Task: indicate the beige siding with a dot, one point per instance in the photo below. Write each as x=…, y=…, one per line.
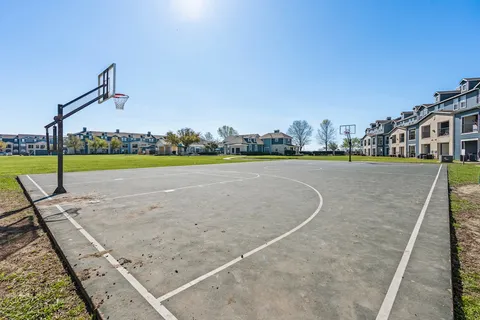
x=432, y=143
x=397, y=147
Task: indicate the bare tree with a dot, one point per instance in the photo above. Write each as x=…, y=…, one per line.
x=226, y=131
x=208, y=137
x=301, y=132
x=326, y=133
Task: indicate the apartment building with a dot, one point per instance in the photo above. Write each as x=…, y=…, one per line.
x=273, y=142
x=376, y=141
x=445, y=127
x=132, y=143
x=25, y=144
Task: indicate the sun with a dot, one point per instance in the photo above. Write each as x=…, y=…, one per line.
x=188, y=9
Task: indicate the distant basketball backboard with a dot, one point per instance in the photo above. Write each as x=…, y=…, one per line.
x=348, y=129
x=107, y=79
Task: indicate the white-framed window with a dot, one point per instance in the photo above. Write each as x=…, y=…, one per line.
x=464, y=87
x=276, y=139
x=455, y=104
x=411, y=134
x=437, y=98
x=463, y=102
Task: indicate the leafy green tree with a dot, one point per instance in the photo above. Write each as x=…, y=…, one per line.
x=115, y=144
x=211, y=146
x=187, y=137
x=301, y=133
x=356, y=144
x=226, y=131
x=333, y=146
x=326, y=133
x=3, y=145
x=172, y=139
x=74, y=142
x=96, y=144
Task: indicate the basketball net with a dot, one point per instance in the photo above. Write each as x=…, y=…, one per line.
x=120, y=100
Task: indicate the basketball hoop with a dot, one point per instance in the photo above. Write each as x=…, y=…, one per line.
x=120, y=100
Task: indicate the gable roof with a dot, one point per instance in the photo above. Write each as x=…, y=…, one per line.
x=440, y=112
x=275, y=135
x=446, y=92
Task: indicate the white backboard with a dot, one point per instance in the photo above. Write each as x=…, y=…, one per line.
x=462, y=152
x=106, y=78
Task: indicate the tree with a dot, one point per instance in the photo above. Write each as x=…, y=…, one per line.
x=115, y=144
x=208, y=137
x=326, y=133
x=211, y=146
x=226, y=131
x=301, y=132
x=187, y=136
x=172, y=139
x=356, y=144
x=333, y=146
x=3, y=145
x=74, y=142
x=96, y=144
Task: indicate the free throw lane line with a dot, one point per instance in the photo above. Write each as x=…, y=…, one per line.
x=387, y=304
x=164, y=312
x=245, y=255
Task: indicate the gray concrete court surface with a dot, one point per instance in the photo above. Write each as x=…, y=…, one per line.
x=287, y=239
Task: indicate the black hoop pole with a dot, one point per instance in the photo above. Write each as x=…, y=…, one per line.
x=60, y=189
x=48, y=141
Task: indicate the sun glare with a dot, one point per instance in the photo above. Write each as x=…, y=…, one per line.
x=188, y=9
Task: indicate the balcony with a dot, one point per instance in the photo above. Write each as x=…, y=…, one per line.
x=443, y=132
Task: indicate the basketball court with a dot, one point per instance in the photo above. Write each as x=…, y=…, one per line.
x=260, y=240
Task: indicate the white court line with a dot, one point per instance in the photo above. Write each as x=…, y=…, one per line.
x=164, y=312
x=228, y=264
x=181, y=188
x=387, y=304
x=120, y=179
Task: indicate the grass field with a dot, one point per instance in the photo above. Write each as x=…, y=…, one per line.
x=23, y=271
x=465, y=210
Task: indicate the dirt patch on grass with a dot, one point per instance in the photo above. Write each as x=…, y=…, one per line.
x=465, y=207
x=33, y=281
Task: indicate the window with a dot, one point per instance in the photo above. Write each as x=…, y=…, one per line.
x=42, y=146
x=373, y=141
x=30, y=146
x=380, y=141
x=276, y=139
x=402, y=137
x=411, y=134
x=437, y=98
x=455, y=104
x=470, y=124
x=368, y=142
x=426, y=132
x=386, y=140
x=464, y=87
x=463, y=102
x=394, y=139
x=37, y=146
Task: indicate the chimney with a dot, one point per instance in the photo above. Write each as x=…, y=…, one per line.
x=84, y=129
x=117, y=131
x=149, y=133
x=276, y=131
x=389, y=118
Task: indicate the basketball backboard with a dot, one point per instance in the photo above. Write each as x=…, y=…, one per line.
x=346, y=129
x=107, y=79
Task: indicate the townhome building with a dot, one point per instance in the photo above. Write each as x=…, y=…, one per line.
x=274, y=142
x=377, y=139
x=449, y=126
x=25, y=144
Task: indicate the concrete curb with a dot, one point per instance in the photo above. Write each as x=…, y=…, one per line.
x=97, y=315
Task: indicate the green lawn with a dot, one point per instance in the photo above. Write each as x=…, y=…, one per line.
x=10, y=167
x=345, y=158
x=465, y=211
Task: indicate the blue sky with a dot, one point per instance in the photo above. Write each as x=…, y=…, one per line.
x=254, y=65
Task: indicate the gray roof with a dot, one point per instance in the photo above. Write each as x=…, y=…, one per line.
x=120, y=134
x=447, y=91
x=275, y=135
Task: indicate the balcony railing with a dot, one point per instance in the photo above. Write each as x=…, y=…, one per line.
x=443, y=132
